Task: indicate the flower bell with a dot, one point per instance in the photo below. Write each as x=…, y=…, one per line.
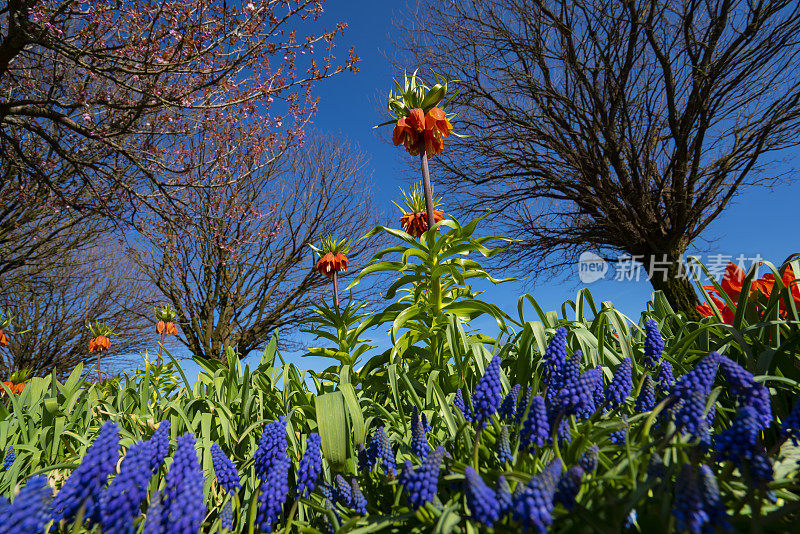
x=414, y=220
x=3, y=339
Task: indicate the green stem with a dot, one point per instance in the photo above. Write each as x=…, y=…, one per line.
x=290, y=517
x=475, y=448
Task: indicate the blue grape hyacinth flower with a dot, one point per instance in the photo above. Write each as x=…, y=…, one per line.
x=30, y=511
x=569, y=485
x=225, y=470
x=270, y=445
x=506, y=410
x=184, y=506
x=487, y=396
x=160, y=447
x=86, y=483
x=421, y=484
x=275, y=463
x=120, y=504
x=653, y=343
x=535, y=431
x=555, y=357
x=646, y=400
x=310, y=466
x=9, y=458
x=620, y=387
x=481, y=499
x=419, y=440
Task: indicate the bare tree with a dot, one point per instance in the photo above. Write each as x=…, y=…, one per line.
x=240, y=266
x=620, y=126
x=35, y=229
x=51, y=310
x=111, y=92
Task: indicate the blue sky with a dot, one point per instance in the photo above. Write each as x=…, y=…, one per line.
x=760, y=222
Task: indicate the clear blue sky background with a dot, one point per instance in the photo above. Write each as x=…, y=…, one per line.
x=760, y=222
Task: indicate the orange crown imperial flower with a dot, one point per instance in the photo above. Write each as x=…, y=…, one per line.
x=414, y=220
x=419, y=119
x=100, y=341
x=165, y=317
x=3, y=339
x=333, y=258
x=99, y=344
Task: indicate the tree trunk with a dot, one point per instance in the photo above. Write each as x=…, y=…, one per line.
x=668, y=273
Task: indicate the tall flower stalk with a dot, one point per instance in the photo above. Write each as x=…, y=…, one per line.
x=420, y=124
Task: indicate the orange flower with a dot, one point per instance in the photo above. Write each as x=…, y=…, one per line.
x=19, y=388
x=788, y=279
x=3, y=339
x=99, y=344
x=10, y=386
x=171, y=329
x=330, y=263
x=416, y=224
x=436, y=127
x=160, y=327
x=404, y=133
x=706, y=311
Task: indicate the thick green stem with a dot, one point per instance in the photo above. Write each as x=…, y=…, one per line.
x=475, y=448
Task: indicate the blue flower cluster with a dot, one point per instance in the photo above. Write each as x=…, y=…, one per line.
x=555, y=356
x=481, y=499
x=504, y=447
x=342, y=491
x=184, y=508
x=791, y=425
x=665, y=377
x=225, y=470
x=653, y=343
x=690, y=416
x=620, y=387
x=155, y=515
x=535, y=430
x=160, y=441
x=270, y=445
x=9, y=458
x=699, y=380
x=275, y=481
x=740, y=444
x=524, y=402
x=646, y=400
x=568, y=486
x=503, y=494
x=421, y=484
x=698, y=506
x=310, y=466
x=590, y=459
x=358, y=502
x=120, y=504
x=579, y=397
x=419, y=441
x=507, y=408
x=381, y=450
x=86, y=483
x=458, y=402
x=533, y=504
x=488, y=393
x=749, y=392
x=30, y=511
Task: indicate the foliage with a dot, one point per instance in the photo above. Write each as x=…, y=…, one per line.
x=398, y=453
